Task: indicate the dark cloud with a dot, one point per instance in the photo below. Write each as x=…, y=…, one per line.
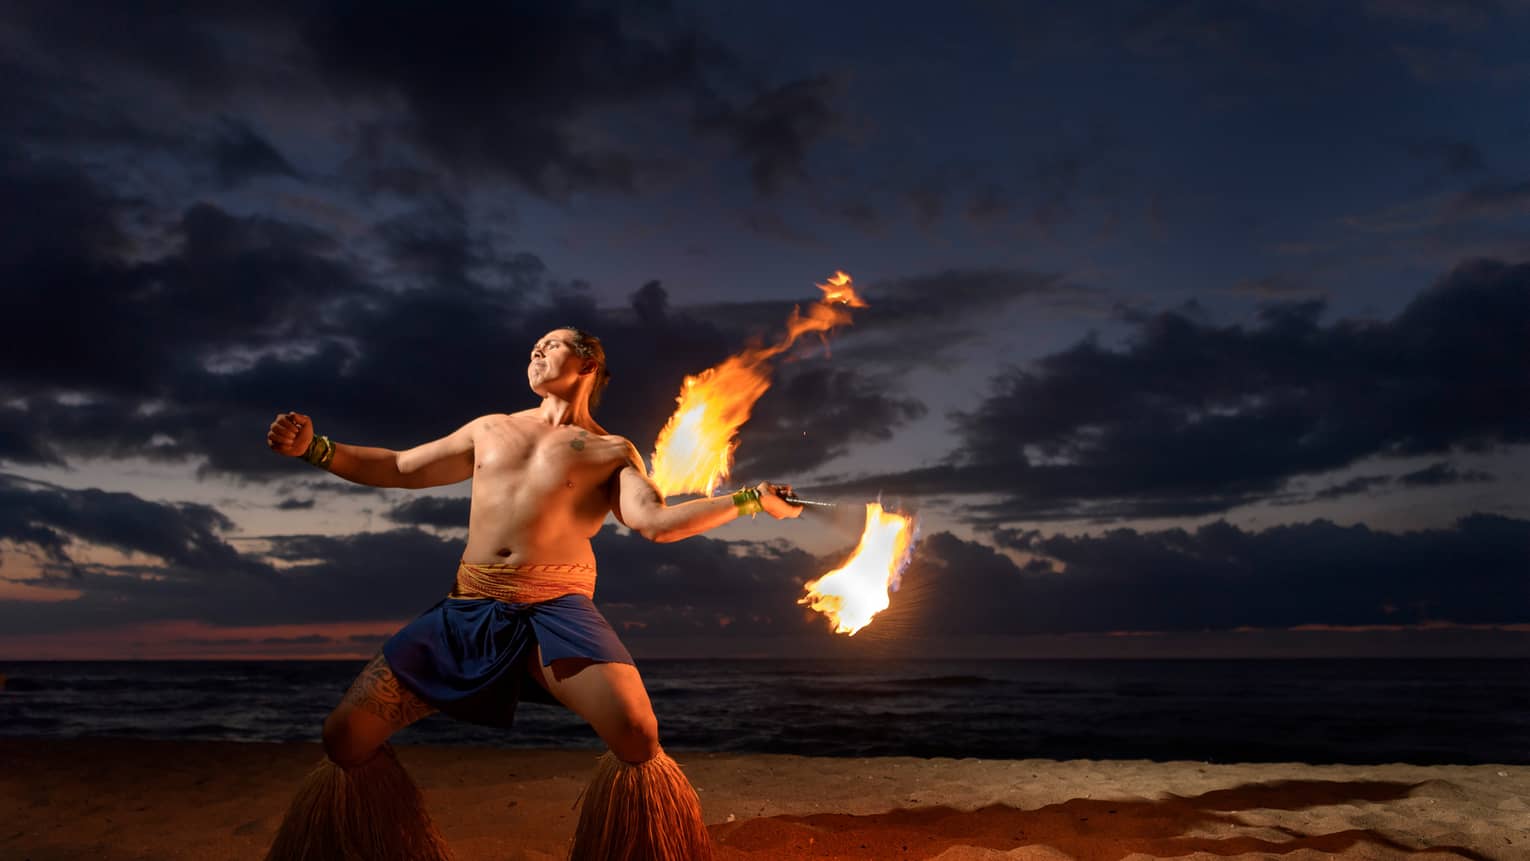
x=160, y=40
x=175, y=331
x=326, y=484
x=1358, y=484
x=85, y=317
x=775, y=130
x=436, y=245
x=531, y=93
x=1218, y=577
x=813, y=415
x=182, y=355
x=517, y=90
x=1191, y=418
x=1443, y=473
x=239, y=154
x=194, y=575
x=501, y=89
x=292, y=504
x=20, y=441
x=254, y=315
x=1318, y=573
x=50, y=519
x=1436, y=475
x=439, y=511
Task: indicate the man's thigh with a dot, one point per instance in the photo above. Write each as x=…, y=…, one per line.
x=377, y=699
x=609, y=696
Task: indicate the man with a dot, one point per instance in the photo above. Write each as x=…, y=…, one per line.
x=519, y=623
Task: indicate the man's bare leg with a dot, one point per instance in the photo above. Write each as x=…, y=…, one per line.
x=610, y=697
x=639, y=804
x=375, y=707
x=359, y=802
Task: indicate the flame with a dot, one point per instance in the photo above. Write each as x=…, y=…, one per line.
x=858, y=590
x=694, y=451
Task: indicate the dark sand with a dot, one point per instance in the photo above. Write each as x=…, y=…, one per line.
x=110, y=799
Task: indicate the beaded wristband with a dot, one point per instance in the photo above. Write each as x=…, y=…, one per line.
x=747, y=501
x=320, y=452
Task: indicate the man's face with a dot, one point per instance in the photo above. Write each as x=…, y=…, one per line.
x=552, y=360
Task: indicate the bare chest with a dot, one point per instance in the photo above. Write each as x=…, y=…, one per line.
x=524, y=451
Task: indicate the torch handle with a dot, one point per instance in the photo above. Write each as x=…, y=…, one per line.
x=797, y=500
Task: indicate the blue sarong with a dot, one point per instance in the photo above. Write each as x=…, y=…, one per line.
x=467, y=656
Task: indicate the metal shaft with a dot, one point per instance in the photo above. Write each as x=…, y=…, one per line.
x=797, y=500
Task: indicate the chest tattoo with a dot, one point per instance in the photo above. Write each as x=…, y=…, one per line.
x=578, y=442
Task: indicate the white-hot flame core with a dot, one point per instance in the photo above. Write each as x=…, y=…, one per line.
x=858, y=590
x=694, y=451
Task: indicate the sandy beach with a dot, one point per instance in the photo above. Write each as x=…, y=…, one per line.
x=111, y=799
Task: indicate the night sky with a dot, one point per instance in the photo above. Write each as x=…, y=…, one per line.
x=1195, y=328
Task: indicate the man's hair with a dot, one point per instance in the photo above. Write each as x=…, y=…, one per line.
x=587, y=346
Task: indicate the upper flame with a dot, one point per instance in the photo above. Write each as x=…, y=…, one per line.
x=858, y=590
x=694, y=451
x=841, y=289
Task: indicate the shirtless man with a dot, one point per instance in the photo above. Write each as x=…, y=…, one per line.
x=543, y=482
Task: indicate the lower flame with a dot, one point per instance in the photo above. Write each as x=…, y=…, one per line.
x=858, y=590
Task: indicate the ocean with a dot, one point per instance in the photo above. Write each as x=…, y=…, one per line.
x=1316, y=711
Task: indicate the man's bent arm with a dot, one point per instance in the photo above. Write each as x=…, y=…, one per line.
x=640, y=507
x=444, y=461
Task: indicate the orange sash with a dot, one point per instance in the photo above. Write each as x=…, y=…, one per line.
x=524, y=583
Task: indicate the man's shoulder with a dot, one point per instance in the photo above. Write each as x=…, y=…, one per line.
x=596, y=427
x=634, y=457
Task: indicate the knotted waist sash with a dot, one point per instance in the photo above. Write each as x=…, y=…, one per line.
x=524, y=583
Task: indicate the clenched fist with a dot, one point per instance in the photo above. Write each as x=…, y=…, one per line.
x=290, y=434
x=773, y=499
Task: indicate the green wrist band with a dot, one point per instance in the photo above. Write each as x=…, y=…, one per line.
x=747, y=501
x=320, y=452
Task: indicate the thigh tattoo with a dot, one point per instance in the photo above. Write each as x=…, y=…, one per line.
x=378, y=691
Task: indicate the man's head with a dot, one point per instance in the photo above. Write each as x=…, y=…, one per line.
x=571, y=358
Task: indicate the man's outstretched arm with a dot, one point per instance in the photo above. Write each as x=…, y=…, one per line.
x=444, y=461
x=639, y=506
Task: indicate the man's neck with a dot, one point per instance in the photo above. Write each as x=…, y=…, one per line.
x=556, y=411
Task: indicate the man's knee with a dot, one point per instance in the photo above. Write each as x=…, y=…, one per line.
x=637, y=738
x=346, y=741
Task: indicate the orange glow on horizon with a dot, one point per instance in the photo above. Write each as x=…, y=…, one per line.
x=193, y=640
